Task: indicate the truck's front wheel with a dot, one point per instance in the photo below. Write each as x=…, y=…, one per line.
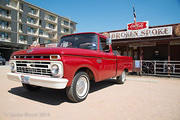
x=79, y=89
x=122, y=78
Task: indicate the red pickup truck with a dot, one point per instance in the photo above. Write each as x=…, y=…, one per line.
x=78, y=59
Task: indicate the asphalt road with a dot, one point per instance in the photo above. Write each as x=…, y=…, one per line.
x=140, y=98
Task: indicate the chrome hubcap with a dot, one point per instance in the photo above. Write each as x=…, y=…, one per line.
x=123, y=76
x=82, y=86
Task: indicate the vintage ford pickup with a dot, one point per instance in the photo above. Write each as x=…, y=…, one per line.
x=78, y=59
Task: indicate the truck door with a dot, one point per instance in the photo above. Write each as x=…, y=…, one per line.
x=107, y=66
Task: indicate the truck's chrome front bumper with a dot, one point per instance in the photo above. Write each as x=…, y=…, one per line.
x=49, y=82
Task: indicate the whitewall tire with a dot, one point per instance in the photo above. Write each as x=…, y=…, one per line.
x=79, y=89
x=122, y=78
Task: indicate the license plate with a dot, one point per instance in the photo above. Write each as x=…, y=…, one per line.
x=25, y=79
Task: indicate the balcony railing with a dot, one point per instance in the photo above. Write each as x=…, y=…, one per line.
x=23, y=41
x=5, y=28
x=5, y=16
x=11, y=6
x=51, y=29
x=46, y=36
x=31, y=23
x=32, y=33
x=5, y=39
x=50, y=20
x=52, y=37
x=32, y=14
x=20, y=20
x=65, y=25
x=20, y=10
x=20, y=31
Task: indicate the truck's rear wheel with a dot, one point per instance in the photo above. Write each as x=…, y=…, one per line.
x=31, y=87
x=79, y=89
x=122, y=78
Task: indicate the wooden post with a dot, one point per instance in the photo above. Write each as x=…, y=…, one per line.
x=169, y=52
x=141, y=53
x=169, y=59
x=127, y=50
x=141, y=58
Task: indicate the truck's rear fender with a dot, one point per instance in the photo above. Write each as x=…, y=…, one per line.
x=128, y=66
x=124, y=63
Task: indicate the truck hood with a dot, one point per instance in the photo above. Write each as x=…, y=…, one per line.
x=61, y=51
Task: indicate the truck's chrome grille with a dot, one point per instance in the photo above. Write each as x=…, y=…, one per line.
x=33, y=67
x=31, y=56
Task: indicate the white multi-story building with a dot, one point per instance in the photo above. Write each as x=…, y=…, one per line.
x=22, y=23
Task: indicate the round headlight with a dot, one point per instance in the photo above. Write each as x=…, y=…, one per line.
x=12, y=67
x=55, y=70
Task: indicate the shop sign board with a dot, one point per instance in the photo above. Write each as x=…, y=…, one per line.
x=151, y=32
x=138, y=25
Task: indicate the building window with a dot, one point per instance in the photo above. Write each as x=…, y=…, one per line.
x=33, y=11
x=31, y=30
x=71, y=24
x=66, y=30
x=31, y=20
x=20, y=27
x=4, y=12
x=52, y=18
x=40, y=22
x=22, y=37
x=47, y=41
x=51, y=26
x=51, y=36
x=21, y=6
x=8, y=2
x=41, y=32
x=4, y=35
x=12, y=3
x=20, y=16
x=66, y=23
x=71, y=31
x=34, y=38
x=4, y=24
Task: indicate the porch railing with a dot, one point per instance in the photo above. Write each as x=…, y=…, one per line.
x=160, y=68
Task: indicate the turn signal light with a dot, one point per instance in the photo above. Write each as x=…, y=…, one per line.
x=55, y=57
x=13, y=57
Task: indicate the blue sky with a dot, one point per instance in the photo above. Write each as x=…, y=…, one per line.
x=107, y=15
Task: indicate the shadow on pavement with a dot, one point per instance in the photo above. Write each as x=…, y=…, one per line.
x=101, y=85
x=44, y=95
x=53, y=96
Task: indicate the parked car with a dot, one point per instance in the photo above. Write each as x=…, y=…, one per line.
x=2, y=60
x=78, y=59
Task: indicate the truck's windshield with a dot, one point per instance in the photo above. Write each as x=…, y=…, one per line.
x=84, y=41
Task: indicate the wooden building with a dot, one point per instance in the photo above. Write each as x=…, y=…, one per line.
x=155, y=43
